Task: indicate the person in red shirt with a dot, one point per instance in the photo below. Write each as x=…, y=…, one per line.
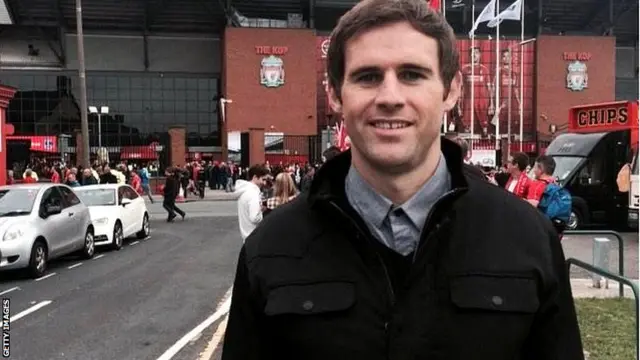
x=543, y=171
x=28, y=177
x=518, y=183
x=136, y=182
x=509, y=93
x=54, y=176
x=482, y=94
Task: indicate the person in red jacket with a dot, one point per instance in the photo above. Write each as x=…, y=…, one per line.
x=28, y=177
x=136, y=182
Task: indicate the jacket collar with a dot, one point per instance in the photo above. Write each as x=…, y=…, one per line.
x=329, y=180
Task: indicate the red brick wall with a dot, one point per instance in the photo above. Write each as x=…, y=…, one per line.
x=290, y=108
x=177, y=136
x=553, y=97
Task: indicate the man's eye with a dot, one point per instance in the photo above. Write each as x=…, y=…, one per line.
x=369, y=78
x=411, y=75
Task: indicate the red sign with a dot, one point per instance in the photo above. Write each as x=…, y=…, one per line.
x=573, y=56
x=613, y=116
x=48, y=144
x=271, y=50
x=138, y=152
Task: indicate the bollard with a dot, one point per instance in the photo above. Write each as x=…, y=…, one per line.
x=601, y=249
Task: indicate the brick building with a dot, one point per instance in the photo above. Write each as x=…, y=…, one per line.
x=244, y=79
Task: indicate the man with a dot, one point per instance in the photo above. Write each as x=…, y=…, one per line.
x=397, y=252
x=543, y=172
x=250, y=201
x=483, y=105
x=171, y=190
x=518, y=183
x=509, y=106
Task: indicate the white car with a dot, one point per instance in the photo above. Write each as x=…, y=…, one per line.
x=40, y=222
x=117, y=212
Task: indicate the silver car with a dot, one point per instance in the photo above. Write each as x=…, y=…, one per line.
x=40, y=222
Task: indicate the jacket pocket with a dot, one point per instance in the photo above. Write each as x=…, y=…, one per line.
x=495, y=293
x=310, y=299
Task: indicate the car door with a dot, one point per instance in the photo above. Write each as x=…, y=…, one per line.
x=77, y=213
x=126, y=211
x=137, y=209
x=54, y=227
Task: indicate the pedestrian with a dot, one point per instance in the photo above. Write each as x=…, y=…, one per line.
x=398, y=252
x=171, y=187
x=250, y=205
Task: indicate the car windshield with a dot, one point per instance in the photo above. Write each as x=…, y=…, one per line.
x=15, y=202
x=564, y=166
x=97, y=197
x=634, y=169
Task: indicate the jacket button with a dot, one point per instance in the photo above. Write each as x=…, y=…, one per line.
x=496, y=300
x=307, y=305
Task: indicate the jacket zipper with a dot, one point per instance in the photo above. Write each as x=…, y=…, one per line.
x=390, y=292
x=428, y=220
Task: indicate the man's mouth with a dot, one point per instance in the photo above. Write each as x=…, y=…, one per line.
x=384, y=124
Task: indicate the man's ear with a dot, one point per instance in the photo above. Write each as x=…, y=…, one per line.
x=334, y=100
x=455, y=91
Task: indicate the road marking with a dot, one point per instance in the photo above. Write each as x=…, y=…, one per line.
x=44, y=277
x=9, y=290
x=221, y=310
x=35, y=307
x=98, y=257
x=133, y=243
x=215, y=339
x=74, y=266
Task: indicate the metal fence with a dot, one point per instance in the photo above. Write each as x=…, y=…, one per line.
x=293, y=148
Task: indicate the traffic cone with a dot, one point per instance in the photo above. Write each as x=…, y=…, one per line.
x=180, y=197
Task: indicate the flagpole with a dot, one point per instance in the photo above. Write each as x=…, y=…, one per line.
x=472, y=80
x=521, y=73
x=497, y=84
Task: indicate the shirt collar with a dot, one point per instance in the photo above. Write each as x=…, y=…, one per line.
x=374, y=207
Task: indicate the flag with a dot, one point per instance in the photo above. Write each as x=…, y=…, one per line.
x=434, y=4
x=513, y=12
x=342, y=141
x=487, y=14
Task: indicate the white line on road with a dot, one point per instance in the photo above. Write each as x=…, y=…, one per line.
x=133, y=243
x=98, y=257
x=74, y=266
x=35, y=307
x=221, y=310
x=9, y=290
x=215, y=339
x=46, y=276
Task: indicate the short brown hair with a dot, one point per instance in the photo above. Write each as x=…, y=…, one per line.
x=370, y=14
x=521, y=160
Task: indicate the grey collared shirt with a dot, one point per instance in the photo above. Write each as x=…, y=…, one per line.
x=397, y=226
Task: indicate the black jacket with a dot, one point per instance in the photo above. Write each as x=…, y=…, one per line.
x=488, y=281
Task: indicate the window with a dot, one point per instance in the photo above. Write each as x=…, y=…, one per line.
x=69, y=197
x=129, y=193
x=51, y=197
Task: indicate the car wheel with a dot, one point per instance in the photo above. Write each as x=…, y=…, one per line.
x=38, y=260
x=575, y=220
x=89, y=248
x=118, y=236
x=146, y=227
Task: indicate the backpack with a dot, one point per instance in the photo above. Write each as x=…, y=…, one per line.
x=556, y=202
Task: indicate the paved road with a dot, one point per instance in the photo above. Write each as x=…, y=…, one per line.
x=129, y=304
x=581, y=247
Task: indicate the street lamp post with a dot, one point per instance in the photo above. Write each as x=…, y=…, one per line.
x=104, y=110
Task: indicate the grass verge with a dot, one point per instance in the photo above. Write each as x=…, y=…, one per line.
x=608, y=328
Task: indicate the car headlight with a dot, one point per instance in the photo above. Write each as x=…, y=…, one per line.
x=15, y=232
x=101, y=221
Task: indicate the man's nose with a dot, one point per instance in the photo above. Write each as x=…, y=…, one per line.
x=390, y=95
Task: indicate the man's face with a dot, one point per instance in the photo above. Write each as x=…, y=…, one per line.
x=537, y=170
x=475, y=55
x=510, y=165
x=260, y=181
x=506, y=58
x=393, y=98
